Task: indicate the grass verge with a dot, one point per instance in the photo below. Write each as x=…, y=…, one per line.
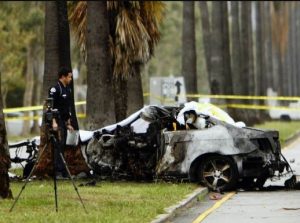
x=286, y=129
x=105, y=202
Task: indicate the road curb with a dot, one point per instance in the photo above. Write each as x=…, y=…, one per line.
x=291, y=139
x=186, y=202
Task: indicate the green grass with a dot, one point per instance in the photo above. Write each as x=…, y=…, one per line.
x=286, y=129
x=105, y=202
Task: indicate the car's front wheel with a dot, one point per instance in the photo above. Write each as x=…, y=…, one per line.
x=218, y=173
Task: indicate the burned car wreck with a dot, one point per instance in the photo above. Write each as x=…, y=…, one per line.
x=165, y=142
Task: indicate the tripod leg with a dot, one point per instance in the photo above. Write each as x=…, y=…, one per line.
x=54, y=176
x=27, y=179
x=69, y=173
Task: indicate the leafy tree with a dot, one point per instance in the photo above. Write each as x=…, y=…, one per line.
x=31, y=26
x=13, y=52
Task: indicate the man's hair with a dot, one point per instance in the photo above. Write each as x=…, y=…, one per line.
x=64, y=71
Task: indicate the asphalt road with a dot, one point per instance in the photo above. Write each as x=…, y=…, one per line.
x=275, y=204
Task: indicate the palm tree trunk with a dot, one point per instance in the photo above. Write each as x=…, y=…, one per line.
x=100, y=107
x=297, y=7
x=51, y=48
x=5, y=191
x=135, y=99
x=64, y=52
x=294, y=49
x=268, y=46
x=238, y=89
x=236, y=57
x=206, y=33
x=260, y=71
x=226, y=50
x=247, y=55
x=120, y=96
x=57, y=53
x=27, y=100
x=37, y=71
x=189, y=58
x=288, y=58
x=215, y=76
x=220, y=74
x=261, y=44
x=51, y=68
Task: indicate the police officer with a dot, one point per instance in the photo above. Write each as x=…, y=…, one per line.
x=61, y=95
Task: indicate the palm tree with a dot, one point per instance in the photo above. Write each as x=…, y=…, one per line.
x=133, y=33
x=220, y=72
x=239, y=80
x=280, y=27
x=57, y=46
x=57, y=53
x=206, y=32
x=5, y=191
x=64, y=48
x=51, y=47
x=100, y=108
x=189, y=57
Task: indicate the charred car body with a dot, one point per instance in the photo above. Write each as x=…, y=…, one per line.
x=164, y=142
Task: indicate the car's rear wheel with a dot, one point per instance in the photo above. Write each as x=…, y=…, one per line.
x=218, y=173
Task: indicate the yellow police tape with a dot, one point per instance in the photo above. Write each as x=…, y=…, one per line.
x=169, y=100
x=32, y=108
x=235, y=97
x=245, y=97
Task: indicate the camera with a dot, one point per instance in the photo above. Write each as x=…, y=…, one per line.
x=50, y=113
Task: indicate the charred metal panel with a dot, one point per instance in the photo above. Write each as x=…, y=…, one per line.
x=216, y=139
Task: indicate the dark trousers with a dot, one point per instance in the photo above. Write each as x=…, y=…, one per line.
x=60, y=148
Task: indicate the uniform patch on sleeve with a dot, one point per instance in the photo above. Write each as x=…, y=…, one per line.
x=53, y=90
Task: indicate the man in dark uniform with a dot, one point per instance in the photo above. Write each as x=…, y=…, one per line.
x=61, y=95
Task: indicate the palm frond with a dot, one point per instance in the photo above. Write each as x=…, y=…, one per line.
x=78, y=22
x=135, y=32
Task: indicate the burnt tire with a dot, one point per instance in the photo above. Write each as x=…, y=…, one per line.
x=218, y=173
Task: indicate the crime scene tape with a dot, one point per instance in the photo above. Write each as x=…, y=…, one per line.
x=32, y=108
x=170, y=100
x=245, y=97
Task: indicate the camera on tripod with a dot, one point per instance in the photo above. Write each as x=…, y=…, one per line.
x=50, y=113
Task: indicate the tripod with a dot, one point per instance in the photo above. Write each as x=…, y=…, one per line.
x=55, y=150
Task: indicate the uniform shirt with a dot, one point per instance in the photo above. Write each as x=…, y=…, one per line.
x=61, y=100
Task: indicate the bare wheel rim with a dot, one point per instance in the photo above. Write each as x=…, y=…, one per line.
x=217, y=173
